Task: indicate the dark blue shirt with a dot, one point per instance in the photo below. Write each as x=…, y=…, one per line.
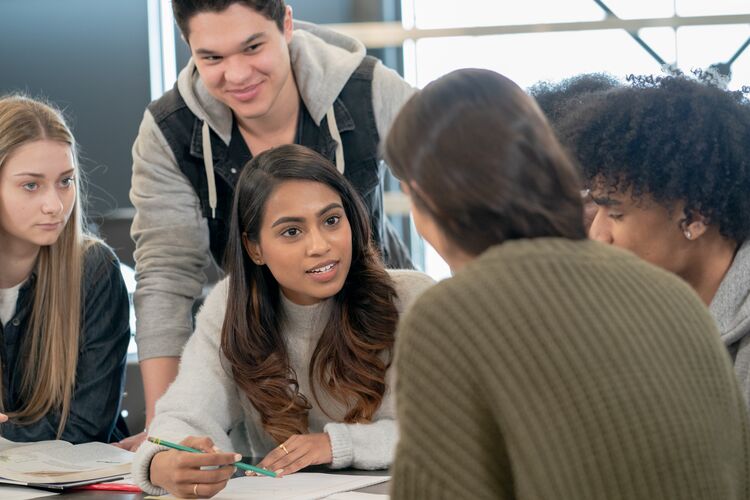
x=103, y=345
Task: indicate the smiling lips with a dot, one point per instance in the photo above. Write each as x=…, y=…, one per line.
x=50, y=226
x=323, y=268
x=324, y=271
x=246, y=93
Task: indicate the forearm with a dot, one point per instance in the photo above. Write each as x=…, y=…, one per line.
x=158, y=374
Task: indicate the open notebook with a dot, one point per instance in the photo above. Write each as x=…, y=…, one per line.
x=59, y=464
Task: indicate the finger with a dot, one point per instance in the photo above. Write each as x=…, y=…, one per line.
x=296, y=465
x=192, y=476
x=3, y=417
x=197, y=460
x=206, y=490
x=275, y=455
x=286, y=460
x=203, y=443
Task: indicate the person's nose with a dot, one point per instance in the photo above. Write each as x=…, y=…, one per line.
x=52, y=204
x=238, y=70
x=600, y=227
x=318, y=243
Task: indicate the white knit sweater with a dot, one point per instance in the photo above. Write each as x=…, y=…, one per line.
x=204, y=400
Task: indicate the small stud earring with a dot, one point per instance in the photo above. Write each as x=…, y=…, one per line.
x=688, y=234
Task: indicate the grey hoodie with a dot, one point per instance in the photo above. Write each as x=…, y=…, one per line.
x=730, y=308
x=171, y=235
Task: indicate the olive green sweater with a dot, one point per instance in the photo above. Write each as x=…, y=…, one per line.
x=553, y=369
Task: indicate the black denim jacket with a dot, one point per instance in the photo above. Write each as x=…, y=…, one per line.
x=103, y=345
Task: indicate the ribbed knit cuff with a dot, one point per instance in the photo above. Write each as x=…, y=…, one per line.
x=141, y=468
x=341, y=445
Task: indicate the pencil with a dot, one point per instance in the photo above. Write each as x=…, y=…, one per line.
x=239, y=465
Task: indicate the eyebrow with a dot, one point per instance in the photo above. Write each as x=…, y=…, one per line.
x=605, y=202
x=283, y=220
x=248, y=41
x=40, y=176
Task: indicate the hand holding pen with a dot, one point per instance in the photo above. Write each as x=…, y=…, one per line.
x=195, y=467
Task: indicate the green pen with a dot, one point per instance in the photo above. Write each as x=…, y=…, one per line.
x=239, y=465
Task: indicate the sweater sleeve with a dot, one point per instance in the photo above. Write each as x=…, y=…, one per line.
x=171, y=246
x=203, y=400
x=389, y=93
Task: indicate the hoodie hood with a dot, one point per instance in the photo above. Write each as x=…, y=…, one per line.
x=322, y=61
x=730, y=306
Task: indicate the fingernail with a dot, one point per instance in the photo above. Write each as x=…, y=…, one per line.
x=250, y=473
x=237, y=457
x=277, y=472
x=216, y=450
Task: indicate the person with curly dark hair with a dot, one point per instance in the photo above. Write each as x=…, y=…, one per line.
x=668, y=164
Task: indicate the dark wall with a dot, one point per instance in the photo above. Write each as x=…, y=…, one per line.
x=89, y=57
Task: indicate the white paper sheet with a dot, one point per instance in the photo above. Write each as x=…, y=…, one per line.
x=299, y=486
x=354, y=495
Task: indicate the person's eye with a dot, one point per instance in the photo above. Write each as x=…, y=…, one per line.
x=291, y=232
x=67, y=182
x=31, y=186
x=333, y=220
x=253, y=48
x=211, y=59
x=615, y=216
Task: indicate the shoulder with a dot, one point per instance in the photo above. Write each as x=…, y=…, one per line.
x=170, y=102
x=409, y=285
x=99, y=261
x=215, y=305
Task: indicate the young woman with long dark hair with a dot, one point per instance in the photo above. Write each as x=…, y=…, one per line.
x=292, y=351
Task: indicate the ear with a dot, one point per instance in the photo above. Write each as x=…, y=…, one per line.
x=253, y=250
x=288, y=24
x=694, y=226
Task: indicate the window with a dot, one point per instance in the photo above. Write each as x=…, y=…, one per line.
x=529, y=57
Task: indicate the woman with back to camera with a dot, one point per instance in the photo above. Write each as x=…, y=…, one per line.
x=63, y=303
x=550, y=365
x=291, y=357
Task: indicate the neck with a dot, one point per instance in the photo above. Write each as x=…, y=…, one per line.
x=709, y=265
x=274, y=126
x=18, y=262
x=457, y=259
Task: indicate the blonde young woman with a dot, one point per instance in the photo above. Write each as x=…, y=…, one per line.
x=63, y=304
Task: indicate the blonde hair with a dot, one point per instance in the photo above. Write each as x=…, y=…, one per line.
x=52, y=340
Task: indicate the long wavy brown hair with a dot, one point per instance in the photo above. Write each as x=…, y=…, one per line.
x=355, y=348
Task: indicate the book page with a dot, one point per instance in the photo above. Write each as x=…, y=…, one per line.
x=298, y=486
x=63, y=463
x=7, y=444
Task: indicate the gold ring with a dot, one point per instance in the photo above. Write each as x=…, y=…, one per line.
x=195, y=489
x=284, y=448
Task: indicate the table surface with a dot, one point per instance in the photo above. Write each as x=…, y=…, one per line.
x=382, y=488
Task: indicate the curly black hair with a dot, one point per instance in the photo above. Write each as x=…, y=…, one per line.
x=555, y=99
x=672, y=138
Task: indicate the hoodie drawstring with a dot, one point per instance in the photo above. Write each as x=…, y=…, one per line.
x=334, y=129
x=208, y=161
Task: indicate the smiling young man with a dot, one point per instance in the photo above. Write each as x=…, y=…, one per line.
x=256, y=80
